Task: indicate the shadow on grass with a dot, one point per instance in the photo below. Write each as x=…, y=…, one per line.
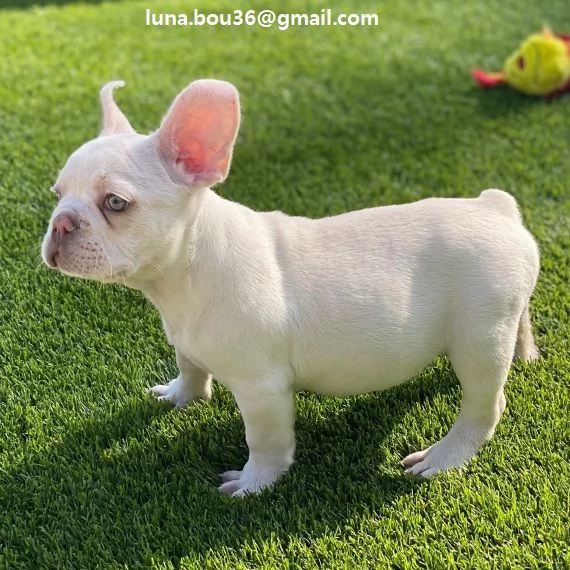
x=503, y=101
x=111, y=494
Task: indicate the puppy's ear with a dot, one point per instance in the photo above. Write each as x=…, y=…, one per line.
x=196, y=138
x=114, y=122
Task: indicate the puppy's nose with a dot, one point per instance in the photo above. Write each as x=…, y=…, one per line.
x=65, y=223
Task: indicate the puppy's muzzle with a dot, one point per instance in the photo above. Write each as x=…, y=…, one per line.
x=64, y=223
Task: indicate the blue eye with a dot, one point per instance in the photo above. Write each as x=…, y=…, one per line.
x=115, y=203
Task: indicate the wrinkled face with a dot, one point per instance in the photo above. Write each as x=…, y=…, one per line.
x=126, y=200
x=112, y=220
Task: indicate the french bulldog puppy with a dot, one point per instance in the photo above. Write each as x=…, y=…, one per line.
x=270, y=304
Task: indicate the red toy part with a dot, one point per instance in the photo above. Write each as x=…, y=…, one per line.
x=487, y=80
x=565, y=38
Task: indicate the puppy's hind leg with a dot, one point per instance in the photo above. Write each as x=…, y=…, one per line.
x=481, y=364
x=192, y=383
x=525, y=348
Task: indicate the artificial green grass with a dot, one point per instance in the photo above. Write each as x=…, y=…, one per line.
x=96, y=474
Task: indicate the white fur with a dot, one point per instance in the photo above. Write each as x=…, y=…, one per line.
x=271, y=304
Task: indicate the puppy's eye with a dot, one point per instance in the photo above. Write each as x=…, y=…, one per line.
x=115, y=203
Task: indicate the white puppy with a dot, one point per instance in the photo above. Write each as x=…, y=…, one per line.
x=271, y=304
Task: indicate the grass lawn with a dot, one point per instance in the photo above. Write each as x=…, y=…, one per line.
x=94, y=473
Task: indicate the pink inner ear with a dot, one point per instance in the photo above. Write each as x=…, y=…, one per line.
x=202, y=135
x=199, y=131
x=191, y=155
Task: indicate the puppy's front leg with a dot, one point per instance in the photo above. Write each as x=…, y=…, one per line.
x=192, y=384
x=268, y=413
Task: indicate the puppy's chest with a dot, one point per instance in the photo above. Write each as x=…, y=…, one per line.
x=183, y=333
x=198, y=342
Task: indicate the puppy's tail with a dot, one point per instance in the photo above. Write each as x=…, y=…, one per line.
x=502, y=202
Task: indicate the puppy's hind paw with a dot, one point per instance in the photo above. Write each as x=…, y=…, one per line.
x=441, y=456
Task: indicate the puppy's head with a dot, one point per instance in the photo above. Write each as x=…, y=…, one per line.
x=125, y=199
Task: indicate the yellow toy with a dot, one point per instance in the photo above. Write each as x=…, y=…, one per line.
x=541, y=66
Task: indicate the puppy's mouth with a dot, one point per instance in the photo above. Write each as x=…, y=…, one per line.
x=54, y=261
x=51, y=253
x=94, y=273
x=51, y=261
x=87, y=267
x=81, y=256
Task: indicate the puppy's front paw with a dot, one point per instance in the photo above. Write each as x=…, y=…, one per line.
x=237, y=485
x=251, y=480
x=179, y=392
